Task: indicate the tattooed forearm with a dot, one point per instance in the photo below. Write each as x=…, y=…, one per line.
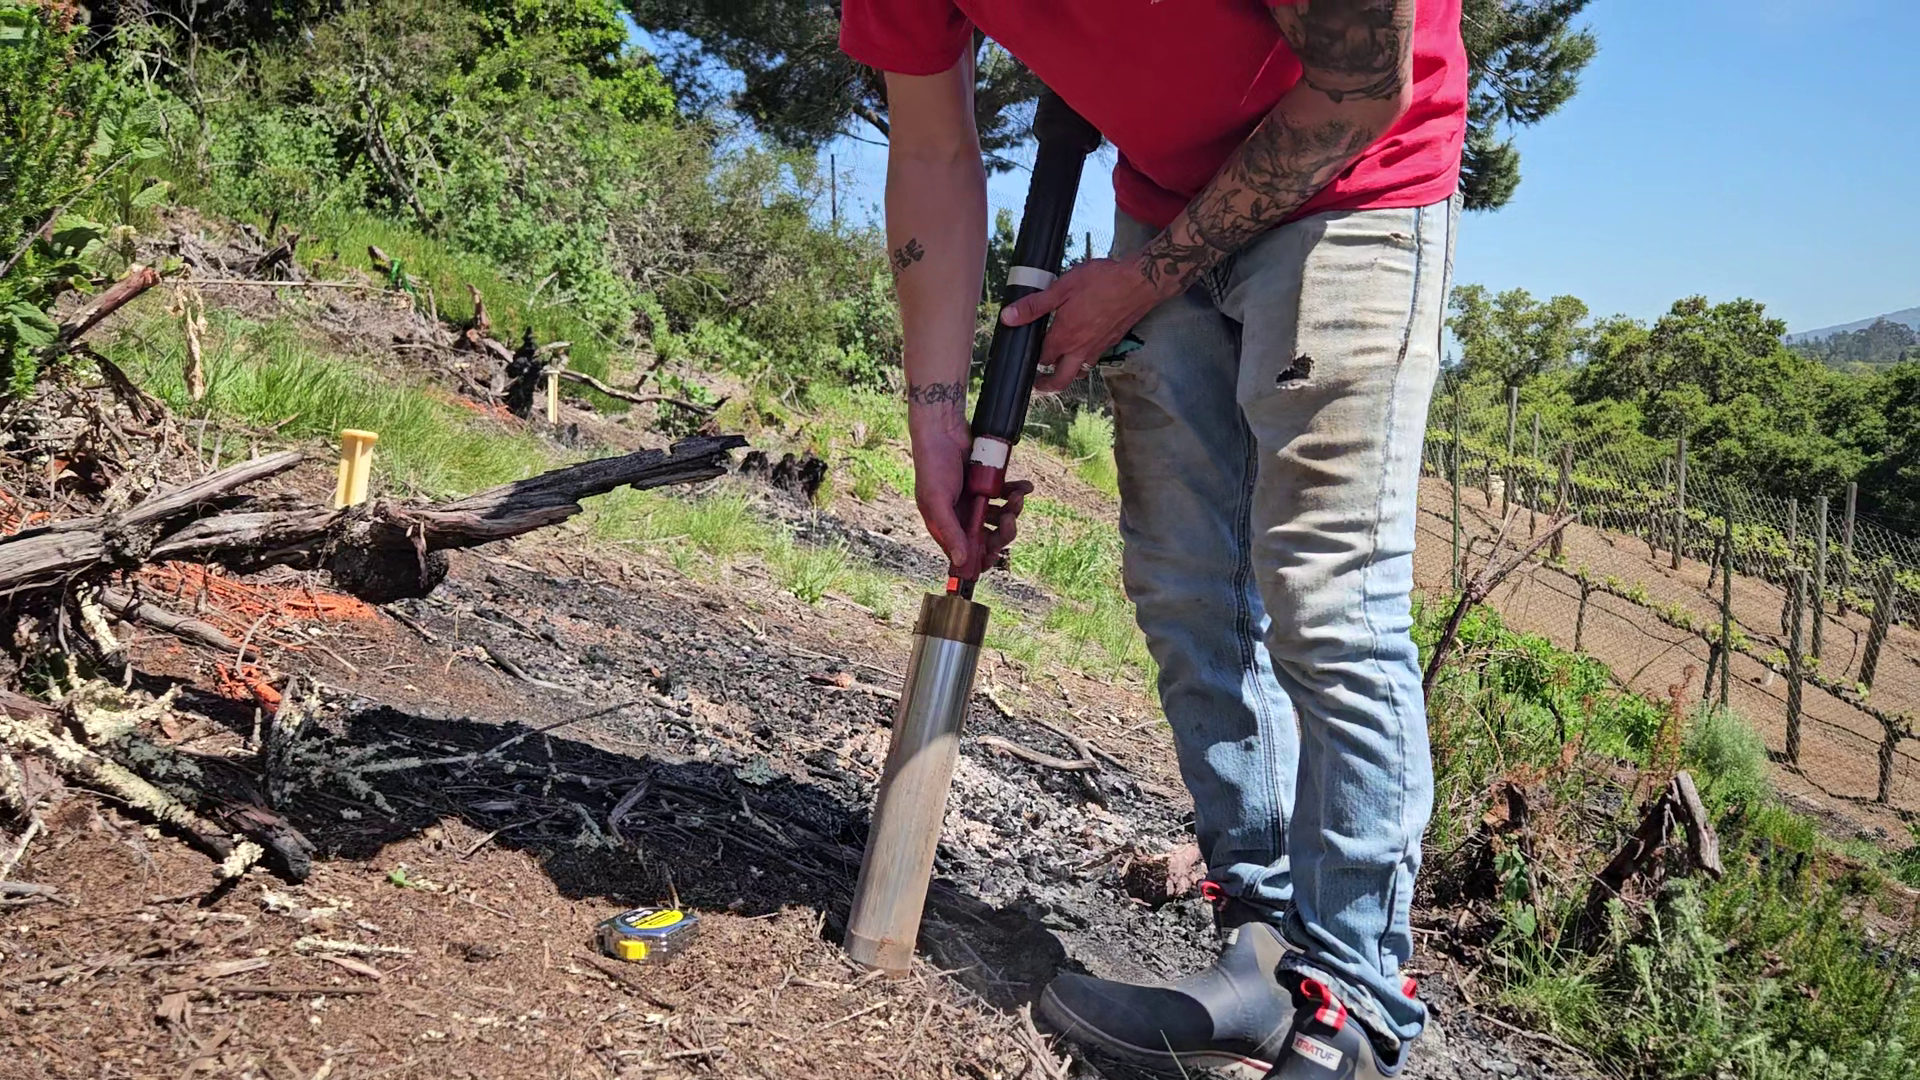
x=951, y=395
x=1279, y=168
x=1349, y=48
x=1357, y=59
x=907, y=254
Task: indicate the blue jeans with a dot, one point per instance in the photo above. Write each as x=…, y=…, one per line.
x=1268, y=434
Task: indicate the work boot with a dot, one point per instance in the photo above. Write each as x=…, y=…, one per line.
x=1327, y=1043
x=1229, y=1020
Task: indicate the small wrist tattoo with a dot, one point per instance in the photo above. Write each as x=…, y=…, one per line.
x=907, y=254
x=952, y=395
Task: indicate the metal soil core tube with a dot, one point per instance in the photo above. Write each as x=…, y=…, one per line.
x=912, y=800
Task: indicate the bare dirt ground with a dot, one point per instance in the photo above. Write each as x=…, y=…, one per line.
x=1838, y=769
x=744, y=730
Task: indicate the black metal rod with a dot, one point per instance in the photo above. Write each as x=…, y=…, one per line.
x=1065, y=141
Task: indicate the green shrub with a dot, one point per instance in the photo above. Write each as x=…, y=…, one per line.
x=1729, y=759
x=531, y=136
x=50, y=153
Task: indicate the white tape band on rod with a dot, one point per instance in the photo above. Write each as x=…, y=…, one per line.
x=990, y=452
x=1030, y=276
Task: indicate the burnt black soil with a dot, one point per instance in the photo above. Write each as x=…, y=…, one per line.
x=753, y=774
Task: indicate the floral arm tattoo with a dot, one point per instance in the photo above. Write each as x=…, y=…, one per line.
x=1357, y=54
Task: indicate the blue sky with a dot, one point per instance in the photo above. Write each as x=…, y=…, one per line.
x=1762, y=148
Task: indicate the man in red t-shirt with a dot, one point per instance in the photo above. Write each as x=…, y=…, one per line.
x=1286, y=196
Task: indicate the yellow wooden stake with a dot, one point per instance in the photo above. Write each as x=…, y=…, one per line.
x=553, y=397
x=356, y=462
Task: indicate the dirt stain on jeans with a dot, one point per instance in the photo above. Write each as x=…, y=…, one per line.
x=1134, y=408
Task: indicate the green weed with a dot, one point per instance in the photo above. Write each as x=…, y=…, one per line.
x=1729, y=759
x=809, y=572
x=872, y=590
x=1090, y=442
x=878, y=470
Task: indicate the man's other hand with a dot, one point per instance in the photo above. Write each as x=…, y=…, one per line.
x=1093, y=306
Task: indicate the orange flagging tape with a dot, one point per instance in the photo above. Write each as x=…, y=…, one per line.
x=244, y=684
x=236, y=606
x=11, y=524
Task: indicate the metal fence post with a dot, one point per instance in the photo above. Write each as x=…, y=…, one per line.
x=1889, y=746
x=1787, y=564
x=1513, y=421
x=1883, y=601
x=1793, y=666
x=1580, y=617
x=1817, y=599
x=1456, y=489
x=1846, y=550
x=1564, y=497
x=1680, y=504
x=1726, y=606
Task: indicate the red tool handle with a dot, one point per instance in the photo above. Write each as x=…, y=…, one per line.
x=984, y=484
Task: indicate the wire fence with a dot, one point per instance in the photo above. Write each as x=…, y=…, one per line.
x=1788, y=611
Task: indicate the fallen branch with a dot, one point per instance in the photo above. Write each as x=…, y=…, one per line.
x=1678, y=804
x=145, y=407
x=632, y=398
x=85, y=766
x=519, y=672
x=379, y=551
x=138, y=280
x=200, y=633
x=1045, y=761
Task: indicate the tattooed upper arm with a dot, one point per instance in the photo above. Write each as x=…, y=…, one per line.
x=1358, y=49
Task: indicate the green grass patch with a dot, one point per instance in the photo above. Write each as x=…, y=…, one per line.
x=442, y=276
x=865, y=418
x=269, y=375
x=875, y=590
x=1090, y=443
x=698, y=535
x=810, y=572
x=876, y=471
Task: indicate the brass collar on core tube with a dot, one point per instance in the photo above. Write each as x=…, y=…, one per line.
x=952, y=617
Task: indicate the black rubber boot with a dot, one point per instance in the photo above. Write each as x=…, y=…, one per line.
x=1327, y=1043
x=1229, y=1020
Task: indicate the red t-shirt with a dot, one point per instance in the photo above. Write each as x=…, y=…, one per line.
x=1178, y=85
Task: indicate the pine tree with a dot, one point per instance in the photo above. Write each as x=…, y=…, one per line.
x=1525, y=59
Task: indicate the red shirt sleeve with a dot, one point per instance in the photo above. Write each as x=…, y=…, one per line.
x=909, y=37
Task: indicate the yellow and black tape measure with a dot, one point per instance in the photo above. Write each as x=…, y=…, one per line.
x=646, y=934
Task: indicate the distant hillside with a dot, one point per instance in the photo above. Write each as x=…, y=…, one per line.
x=1881, y=343
x=1909, y=318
